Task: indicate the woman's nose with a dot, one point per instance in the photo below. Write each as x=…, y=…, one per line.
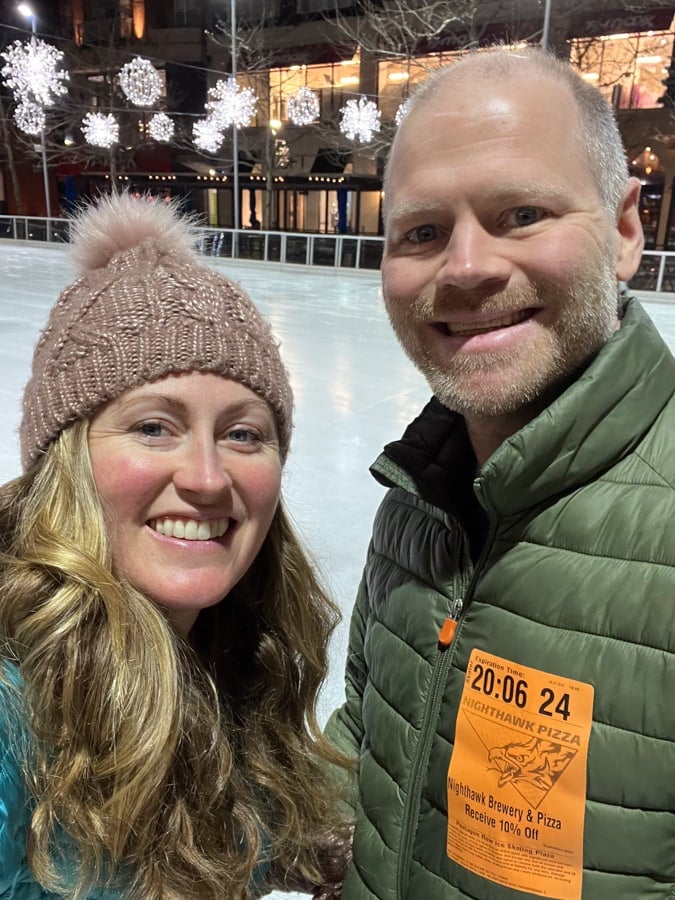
x=201, y=470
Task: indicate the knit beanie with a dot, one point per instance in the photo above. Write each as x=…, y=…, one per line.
x=143, y=307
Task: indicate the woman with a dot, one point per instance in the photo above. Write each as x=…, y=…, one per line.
x=163, y=636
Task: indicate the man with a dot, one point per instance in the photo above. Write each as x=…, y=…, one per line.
x=511, y=671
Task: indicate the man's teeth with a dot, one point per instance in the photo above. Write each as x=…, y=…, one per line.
x=457, y=328
x=190, y=529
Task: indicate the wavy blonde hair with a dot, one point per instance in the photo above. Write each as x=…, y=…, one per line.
x=164, y=768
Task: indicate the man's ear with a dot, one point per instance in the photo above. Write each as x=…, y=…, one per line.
x=631, y=238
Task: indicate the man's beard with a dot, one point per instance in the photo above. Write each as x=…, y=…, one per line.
x=494, y=383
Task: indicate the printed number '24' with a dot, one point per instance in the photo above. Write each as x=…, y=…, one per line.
x=561, y=708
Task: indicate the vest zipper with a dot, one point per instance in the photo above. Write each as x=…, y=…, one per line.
x=427, y=731
x=420, y=764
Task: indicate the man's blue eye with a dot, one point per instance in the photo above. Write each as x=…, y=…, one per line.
x=527, y=215
x=423, y=234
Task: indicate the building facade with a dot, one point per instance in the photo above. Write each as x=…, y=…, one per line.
x=312, y=178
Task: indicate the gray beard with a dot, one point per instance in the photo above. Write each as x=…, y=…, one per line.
x=587, y=318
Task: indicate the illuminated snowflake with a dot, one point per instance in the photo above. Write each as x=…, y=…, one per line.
x=229, y=104
x=206, y=135
x=303, y=107
x=360, y=119
x=30, y=117
x=100, y=130
x=161, y=127
x=31, y=72
x=403, y=110
x=140, y=82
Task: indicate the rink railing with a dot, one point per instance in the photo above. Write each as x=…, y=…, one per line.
x=338, y=251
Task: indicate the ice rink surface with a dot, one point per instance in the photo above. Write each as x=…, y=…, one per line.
x=354, y=391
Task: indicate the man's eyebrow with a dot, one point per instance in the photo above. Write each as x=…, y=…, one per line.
x=526, y=190
x=406, y=208
x=505, y=193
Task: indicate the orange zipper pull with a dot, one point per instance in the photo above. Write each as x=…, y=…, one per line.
x=447, y=633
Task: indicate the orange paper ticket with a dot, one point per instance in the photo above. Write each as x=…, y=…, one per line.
x=517, y=777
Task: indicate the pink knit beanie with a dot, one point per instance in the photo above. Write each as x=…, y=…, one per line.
x=143, y=307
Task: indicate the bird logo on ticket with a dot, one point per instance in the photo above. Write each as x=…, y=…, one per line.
x=517, y=777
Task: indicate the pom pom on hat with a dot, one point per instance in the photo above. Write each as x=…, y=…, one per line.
x=121, y=222
x=143, y=307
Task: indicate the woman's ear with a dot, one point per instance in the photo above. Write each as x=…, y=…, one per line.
x=630, y=235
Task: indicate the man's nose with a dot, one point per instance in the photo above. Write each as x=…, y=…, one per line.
x=474, y=258
x=201, y=470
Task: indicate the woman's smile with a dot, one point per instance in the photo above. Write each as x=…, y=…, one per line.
x=189, y=473
x=191, y=529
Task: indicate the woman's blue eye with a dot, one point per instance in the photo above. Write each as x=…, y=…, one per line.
x=151, y=429
x=243, y=435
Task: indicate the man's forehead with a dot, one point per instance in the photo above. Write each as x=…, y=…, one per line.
x=514, y=104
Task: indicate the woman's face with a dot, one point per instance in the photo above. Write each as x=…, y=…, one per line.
x=189, y=475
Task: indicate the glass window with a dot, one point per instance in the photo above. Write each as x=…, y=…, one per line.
x=188, y=13
x=397, y=78
x=628, y=68
x=335, y=83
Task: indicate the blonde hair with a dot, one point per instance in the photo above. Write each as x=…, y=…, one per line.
x=172, y=768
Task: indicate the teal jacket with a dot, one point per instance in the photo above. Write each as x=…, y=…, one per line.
x=568, y=607
x=16, y=880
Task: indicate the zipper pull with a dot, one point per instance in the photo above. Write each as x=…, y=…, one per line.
x=447, y=633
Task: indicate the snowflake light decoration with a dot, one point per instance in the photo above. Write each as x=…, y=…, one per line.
x=303, y=107
x=206, y=135
x=161, y=127
x=229, y=104
x=31, y=72
x=140, y=82
x=30, y=117
x=100, y=130
x=403, y=111
x=360, y=119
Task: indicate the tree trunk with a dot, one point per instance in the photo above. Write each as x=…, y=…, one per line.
x=9, y=153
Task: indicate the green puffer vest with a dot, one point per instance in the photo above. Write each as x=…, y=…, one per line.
x=576, y=579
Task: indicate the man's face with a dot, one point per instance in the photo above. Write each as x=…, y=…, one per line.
x=501, y=264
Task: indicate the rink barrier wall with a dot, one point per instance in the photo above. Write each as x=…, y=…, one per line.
x=335, y=251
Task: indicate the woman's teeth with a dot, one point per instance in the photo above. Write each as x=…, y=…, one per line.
x=190, y=529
